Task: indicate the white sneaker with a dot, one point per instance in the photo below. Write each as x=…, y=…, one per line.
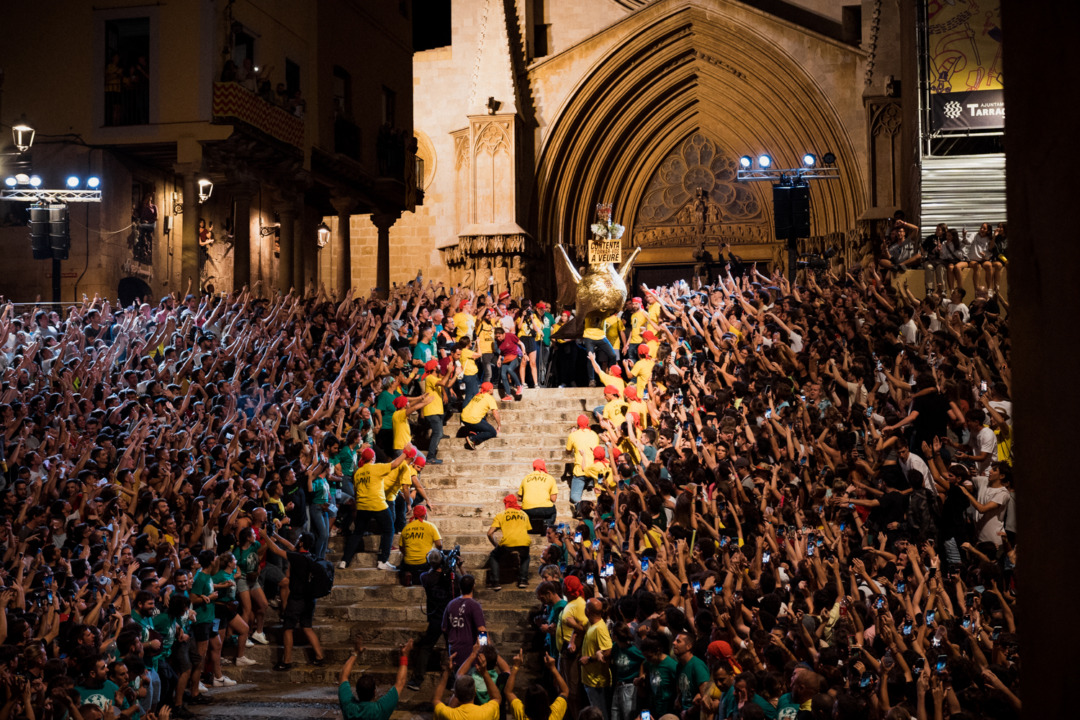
x=202, y=688
x=249, y=643
x=341, y=565
x=245, y=661
x=224, y=682
x=260, y=638
x=386, y=566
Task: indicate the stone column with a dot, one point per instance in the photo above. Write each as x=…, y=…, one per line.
x=299, y=278
x=287, y=218
x=341, y=244
x=383, y=222
x=243, y=248
x=189, y=236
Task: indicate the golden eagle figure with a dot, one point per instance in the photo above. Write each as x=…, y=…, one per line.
x=600, y=291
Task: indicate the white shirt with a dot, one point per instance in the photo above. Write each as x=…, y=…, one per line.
x=914, y=462
x=961, y=308
x=988, y=525
x=909, y=332
x=977, y=246
x=984, y=442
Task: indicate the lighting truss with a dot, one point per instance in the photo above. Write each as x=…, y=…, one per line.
x=791, y=174
x=34, y=195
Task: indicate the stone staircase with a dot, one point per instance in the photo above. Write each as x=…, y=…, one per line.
x=466, y=492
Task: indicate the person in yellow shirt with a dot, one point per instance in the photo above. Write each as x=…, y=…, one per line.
x=642, y=370
x=599, y=472
x=614, y=410
x=485, y=342
x=399, y=486
x=556, y=710
x=369, y=483
x=474, y=417
x=403, y=408
x=581, y=442
x=464, y=321
x=464, y=694
x=651, y=342
x=612, y=377
x=594, y=338
x=434, y=389
x=418, y=537
x=538, y=493
x=639, y=320
x=569, y=634
x=634, y=404
x=470, y=368
x=613, y=329
x=513, y=524
x=595, y=651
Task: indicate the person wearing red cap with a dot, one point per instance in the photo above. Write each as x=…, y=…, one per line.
x=613, y=377
x=370, y=481
x=513, y=524
x=470, y=368
x=599, y=471
x=435, y=390
x=639, y=319
x=569, y=634
x=642, y=370
x=474, y=417
x=613, y=414
x=538, y=493
x=464, y=320
x=651, y=342
x=581, y=442
x=403, y=408
x=399, y=487
x=418, y=537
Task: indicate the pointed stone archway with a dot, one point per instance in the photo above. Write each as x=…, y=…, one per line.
x=715, y=70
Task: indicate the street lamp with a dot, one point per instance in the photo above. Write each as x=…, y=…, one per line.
x=323, y=234
x=206, y=187
x=23, y=135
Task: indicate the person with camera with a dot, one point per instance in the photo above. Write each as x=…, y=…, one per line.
x=514, y=524
x=439, y=583
x=299, y=610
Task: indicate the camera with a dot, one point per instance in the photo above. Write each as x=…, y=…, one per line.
x=452, y=559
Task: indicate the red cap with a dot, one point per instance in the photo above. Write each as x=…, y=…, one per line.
x=583, y=421
x=431, y=365
x=611, y=390
x=504, y=295
x=720, y=649
x=566, y=313
x=643, y=350
x=419, y=462
x=615, y=370
x=541, y=305
x=648, y=335
x=573, y=587
x=400, y=401
x=366, y=456
x=630, y=392
x=616, y=453
x=636, y=301
x=511, y=501
x=635, y=418
x=486, y=387
x=539, y=465
x=409, y=451
x=598, y=453
x=419, y=512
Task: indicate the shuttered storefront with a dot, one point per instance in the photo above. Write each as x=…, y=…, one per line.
x=962, y=191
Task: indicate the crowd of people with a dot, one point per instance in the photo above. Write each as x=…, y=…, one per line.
x=795, y=501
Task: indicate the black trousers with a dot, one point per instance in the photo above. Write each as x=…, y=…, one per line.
x=542, y=519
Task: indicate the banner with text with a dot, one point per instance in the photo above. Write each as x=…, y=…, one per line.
x=964, y=62
x=605, y=251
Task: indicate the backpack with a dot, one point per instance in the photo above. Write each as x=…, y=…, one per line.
x=320, y=578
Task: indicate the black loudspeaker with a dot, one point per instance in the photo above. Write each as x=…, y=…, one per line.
x=791, y=211
x=39, y=233
x=59, y=238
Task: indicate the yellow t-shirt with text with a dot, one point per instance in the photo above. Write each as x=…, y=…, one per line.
x=536, y=490
x=515, y=528
x=417, y=539
x=582, y=442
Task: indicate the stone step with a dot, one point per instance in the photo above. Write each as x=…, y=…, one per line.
x=390, y=634
x=385, y=612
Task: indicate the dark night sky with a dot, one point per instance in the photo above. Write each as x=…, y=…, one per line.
x=431, y=24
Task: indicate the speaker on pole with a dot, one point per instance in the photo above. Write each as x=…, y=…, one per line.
x=39, y=232
x=59, y=237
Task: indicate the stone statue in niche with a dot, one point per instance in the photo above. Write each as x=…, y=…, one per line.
x=468, y=273
x=502, y=275
x=484, y=278
x=518, y=279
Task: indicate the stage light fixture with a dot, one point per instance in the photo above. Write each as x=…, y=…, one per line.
x=746, y=161
x=73, y=182
x=809, y=160
x=35, y=181
x=828, y=158
x=10, y=181
x=93, y=182
x=764, y=162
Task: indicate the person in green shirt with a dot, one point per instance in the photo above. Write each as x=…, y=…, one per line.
x=693, y=672
x=658, y=674
x=548, y=594
x=384, y=405
x=204, y=631
x=625, y=663
x=362, y=705
x=95, y=688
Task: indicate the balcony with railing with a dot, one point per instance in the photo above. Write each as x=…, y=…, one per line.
x=233, y=103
